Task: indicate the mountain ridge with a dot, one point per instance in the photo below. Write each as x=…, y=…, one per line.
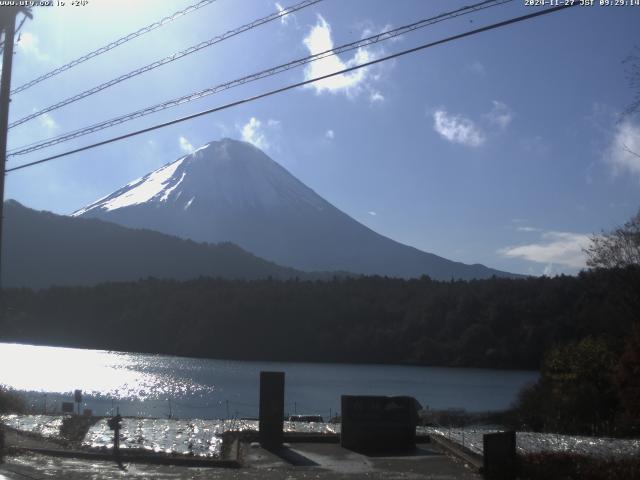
x=42, y=249
x=229, y=190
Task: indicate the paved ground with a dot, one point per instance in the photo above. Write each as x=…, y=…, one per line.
x=16, y=438
x=299, y=460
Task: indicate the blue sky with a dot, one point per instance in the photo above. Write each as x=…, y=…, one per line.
x=506, y=148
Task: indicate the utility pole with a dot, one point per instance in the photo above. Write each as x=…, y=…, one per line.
x=8, y=19
x=8, y=25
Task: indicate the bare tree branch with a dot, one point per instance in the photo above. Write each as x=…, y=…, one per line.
x=618, y=248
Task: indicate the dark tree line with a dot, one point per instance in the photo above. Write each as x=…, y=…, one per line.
x=502, y=323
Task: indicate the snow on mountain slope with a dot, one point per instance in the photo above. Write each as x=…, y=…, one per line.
x=141, y=190
x=262, y=183
x=231, y=191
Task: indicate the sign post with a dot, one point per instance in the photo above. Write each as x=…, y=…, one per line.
x=77, y=396
x=115, y=425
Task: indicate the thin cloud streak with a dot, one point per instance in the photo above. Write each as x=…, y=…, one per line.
x=284, y=19
x=500, y=115
x=560, y=248
x=255, y=131
x=623, y=154
x=185, y=145
x=457, y=129
x=29, y=44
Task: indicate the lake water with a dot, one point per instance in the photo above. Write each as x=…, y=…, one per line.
x=158, y=385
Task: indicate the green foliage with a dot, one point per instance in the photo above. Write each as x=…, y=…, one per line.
x=627, y=379
x=11, y=402
x=580, y=391
x=591, y=383
x=581, y=396
x=531, y=409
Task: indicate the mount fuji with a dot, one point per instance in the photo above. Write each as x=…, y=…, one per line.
x=231, y=191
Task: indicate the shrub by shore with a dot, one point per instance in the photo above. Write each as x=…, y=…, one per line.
x=11, y=402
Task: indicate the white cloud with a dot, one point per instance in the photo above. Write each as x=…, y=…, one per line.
x=500, y=115
x=370, y=30
x=284, y=19
x=319, y=40
x=185, y=145
x=560, y=248
x=527, y=229
x=251, y=133
x=387, y=28
x=457, y=129
x=376, y=97
x=329, y=134
x=47, y=122
x=255, y=132
x=463, y=130
x=624, y=152
x=29, y=44
x=372, y=213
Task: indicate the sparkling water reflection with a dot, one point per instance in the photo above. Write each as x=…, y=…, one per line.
x=45, y=425
x=203, y=437
x=161, y=386
x=195, y=437
x=530, y=442
x=96, y=372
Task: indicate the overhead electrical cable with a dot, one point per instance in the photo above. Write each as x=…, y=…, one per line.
x=299, y=84
x=168, y=59
x=253, y=77
x=112, y=45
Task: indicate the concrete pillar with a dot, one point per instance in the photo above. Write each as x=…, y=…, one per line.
x=271, y=409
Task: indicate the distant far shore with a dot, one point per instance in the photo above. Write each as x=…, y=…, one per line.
x=496, y=323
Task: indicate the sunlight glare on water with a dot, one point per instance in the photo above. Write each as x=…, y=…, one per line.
x=61, y=370
x=158, y=386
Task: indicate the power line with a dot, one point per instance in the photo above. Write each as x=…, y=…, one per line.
x=112, y=45
x=299, y=84
x=255, y=76
x=169, y=59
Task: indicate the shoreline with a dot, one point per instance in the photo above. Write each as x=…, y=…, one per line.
x=267, y=361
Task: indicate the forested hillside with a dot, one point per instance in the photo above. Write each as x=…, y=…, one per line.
x=506, y=323
x=41, y=249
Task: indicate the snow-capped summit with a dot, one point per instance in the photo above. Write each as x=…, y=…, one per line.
x=228, y=171
x=229, y=190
